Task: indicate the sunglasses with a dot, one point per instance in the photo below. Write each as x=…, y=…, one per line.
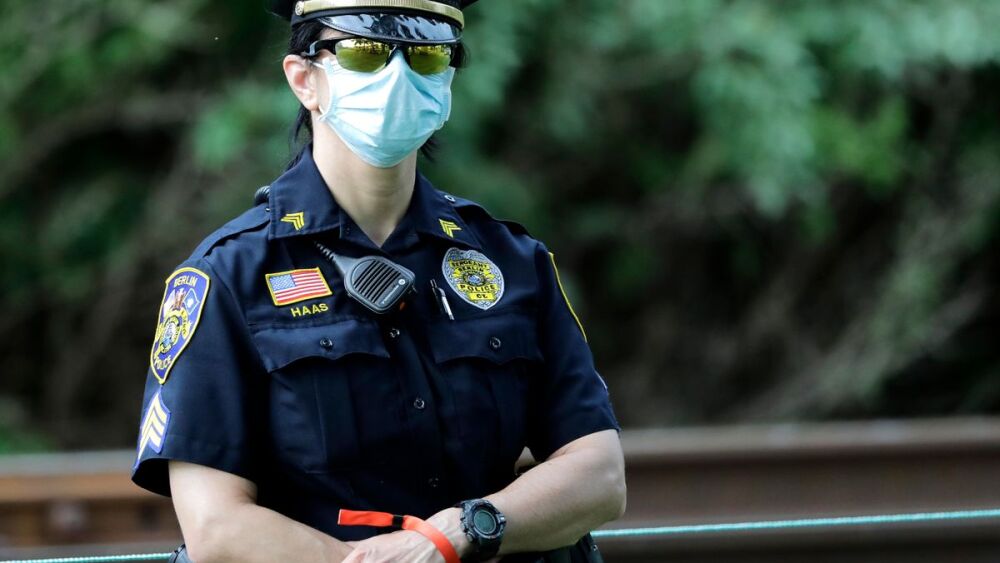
x=368, y=55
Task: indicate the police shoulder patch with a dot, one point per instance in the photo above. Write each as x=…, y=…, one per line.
x=473, y=276
x=183, y=299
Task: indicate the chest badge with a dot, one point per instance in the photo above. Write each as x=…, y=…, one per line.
x=473, y=276
x=183, y=300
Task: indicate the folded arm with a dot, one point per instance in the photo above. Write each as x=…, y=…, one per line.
x=578, y=488
x=221, y=522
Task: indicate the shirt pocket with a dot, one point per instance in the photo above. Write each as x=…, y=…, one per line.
x=313, y=404
x=489, y=363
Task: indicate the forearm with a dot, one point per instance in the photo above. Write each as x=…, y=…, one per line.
x=555, y=503
x=558, y=501
x=252, y=533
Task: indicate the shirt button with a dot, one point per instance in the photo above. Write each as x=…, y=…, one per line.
x=393, y=332
x=325, y=343
x=495, y=343
x=418, y=403
x=433, y=482
x=449, y=197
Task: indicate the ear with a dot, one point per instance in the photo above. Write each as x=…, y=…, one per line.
x=302, y=80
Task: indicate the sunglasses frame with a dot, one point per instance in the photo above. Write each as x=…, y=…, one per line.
x=331, y=45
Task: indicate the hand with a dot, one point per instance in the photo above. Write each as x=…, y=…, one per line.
x=404, y=546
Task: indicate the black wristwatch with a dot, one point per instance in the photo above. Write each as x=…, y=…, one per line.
x=483, y=524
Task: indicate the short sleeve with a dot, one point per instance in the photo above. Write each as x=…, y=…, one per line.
x=203, y=383
x=571, y=399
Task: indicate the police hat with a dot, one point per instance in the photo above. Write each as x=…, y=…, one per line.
x=407, y=21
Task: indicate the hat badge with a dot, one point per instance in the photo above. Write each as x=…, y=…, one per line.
x=299, y=8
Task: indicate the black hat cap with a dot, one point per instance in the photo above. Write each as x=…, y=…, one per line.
x=406, y=21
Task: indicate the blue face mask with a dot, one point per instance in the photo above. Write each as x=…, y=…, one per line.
x=386, y=115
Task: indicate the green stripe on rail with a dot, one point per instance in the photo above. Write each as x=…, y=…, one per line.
x=880, y=519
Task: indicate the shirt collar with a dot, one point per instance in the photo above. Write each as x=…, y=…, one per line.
x=301, y=204
x=433, y=214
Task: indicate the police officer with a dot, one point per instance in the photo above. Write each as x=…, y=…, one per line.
x=351, y=368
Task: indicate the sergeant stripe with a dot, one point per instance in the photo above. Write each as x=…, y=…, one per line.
x=154, y=426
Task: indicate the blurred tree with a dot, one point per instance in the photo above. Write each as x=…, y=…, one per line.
x=763, y=209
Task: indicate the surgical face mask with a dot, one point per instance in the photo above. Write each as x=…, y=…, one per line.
x=384, y=116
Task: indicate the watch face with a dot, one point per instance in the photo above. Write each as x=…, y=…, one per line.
x=485, y=522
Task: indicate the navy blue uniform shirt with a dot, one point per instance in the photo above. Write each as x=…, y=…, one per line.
x=263, y=366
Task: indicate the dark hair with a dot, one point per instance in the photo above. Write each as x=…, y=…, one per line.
x=302, y=132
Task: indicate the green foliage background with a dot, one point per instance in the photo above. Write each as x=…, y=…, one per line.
x=763, y=209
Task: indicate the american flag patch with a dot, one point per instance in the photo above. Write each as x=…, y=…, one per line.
x=297, y=285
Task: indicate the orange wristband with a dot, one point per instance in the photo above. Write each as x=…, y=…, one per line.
x=386, y=520
x=433, y=534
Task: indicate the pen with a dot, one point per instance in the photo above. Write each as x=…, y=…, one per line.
x=442, y=300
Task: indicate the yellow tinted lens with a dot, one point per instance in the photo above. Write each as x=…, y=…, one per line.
x=429, y=59
x=362, y=55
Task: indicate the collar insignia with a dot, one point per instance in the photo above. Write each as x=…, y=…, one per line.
x=473, y=276
x=298, y=220
x=449, y=227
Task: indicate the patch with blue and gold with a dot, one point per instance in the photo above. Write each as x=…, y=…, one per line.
x=183, y=299
x=154, y=425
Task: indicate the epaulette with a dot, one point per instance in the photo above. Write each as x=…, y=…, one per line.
x=469, y=209
x=250, y=219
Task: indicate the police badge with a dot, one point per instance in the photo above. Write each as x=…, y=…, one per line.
x=473, y=276
x=183, y=299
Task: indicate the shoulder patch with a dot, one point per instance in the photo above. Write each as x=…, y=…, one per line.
x=183, y=299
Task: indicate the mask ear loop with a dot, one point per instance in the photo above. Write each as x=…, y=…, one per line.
x=328, y=72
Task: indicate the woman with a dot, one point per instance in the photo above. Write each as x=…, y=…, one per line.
x=360, y=345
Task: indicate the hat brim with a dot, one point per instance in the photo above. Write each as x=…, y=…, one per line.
x=392, y=26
